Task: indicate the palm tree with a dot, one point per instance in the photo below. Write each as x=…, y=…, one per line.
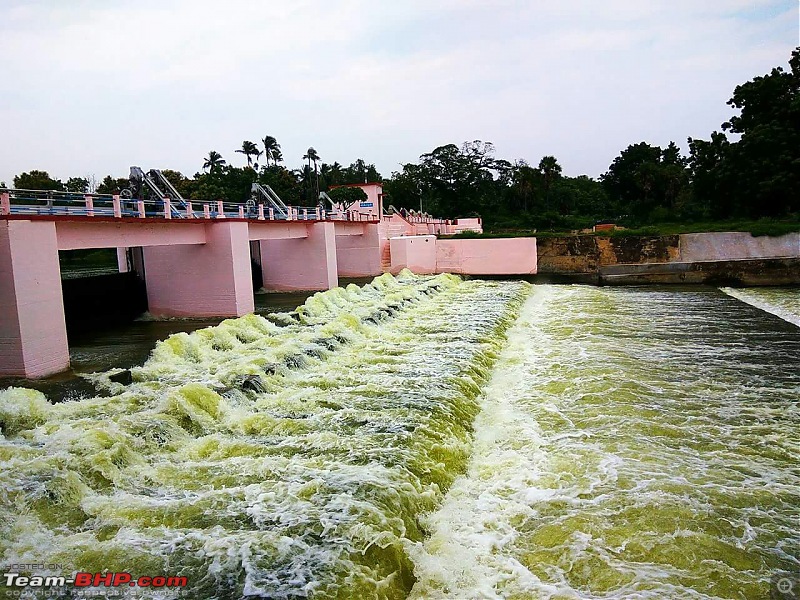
x=214, y=161
x=272, y=149
x=325, y=175
x=249, y=149
x=311, y=155
x=336, y=173
x=551, y=171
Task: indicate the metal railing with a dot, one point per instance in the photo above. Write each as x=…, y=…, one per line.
x=57, y=203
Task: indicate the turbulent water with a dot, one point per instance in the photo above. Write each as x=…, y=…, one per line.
x=433, y=438
x=782, y=302
x=280, y=457
x=632, y=444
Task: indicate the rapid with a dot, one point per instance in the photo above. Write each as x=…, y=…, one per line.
x=429, y=437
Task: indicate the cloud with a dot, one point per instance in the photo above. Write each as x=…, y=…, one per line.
x=92, y=87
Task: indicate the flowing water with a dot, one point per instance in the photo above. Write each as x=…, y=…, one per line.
x=433, y=438
x=633, y=443
x=782, y=302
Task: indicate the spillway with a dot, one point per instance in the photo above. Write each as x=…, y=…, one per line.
x=781, y=302
x=282, y=457
x=429, y=437
x=632, y=443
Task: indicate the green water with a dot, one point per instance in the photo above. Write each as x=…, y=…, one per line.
x=428, y=437
x=633, y=443
x=279, y=458
x=783, y=302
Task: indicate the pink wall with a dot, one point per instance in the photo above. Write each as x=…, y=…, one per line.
x=280, y=230
x=426, y=254
x=33, y=334
x=475, y=224
x=358, y=252
x=417, y=253
x=301, y=264
x=85, y=233
x=213, y=279
x=506, y=256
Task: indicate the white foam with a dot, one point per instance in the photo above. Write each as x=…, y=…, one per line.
x=781, y=302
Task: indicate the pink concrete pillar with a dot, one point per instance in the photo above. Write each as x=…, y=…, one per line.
x=189, y=211
x=33, y=333
x=261, y=212
x=220, y=210
x=167, y=209
x=89, y=204
x=359, y=255
x=5, y=203
x=141, y=209
x=206, y=211
x=122, y=260
x=307, y=263
x=117, y=206
x=202, y=280
x=289, y=213
x=241, y=212
x=271, y=214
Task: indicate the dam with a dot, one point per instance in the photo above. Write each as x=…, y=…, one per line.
x=198, y=263
x=421, y=436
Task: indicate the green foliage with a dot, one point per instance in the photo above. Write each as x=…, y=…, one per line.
x=79, y=185
x=37, y=180
x=283, y=182
x=214, y=161
x=758, y=175
x=646, y=182
x=347, y=196
x=109, y=185
x=249, y=149
x=227, y=183
x=272, y=150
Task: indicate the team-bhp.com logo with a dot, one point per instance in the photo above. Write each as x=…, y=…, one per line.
x=86, y=580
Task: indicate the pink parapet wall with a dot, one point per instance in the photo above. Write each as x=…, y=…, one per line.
x=305, y=263
x=202, y=280
x=33, y=333
x=502, y=256
x=426, y=254
x=416, y=253
x=358, y=250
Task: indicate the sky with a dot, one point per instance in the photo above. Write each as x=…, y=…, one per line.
x=91, y=87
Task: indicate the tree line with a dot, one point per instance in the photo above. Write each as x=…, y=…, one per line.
x=749, y=169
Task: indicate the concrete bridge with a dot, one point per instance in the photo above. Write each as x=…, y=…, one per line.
x=199, y=264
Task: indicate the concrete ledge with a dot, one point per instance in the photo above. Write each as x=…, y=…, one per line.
x=745, y=272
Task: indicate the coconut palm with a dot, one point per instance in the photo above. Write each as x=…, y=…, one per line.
x=249, y=149
x=272, y=149
x=336, y=174
x=214, y=161
x=311, y=155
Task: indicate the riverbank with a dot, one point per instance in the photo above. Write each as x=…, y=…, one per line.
x=718, y=258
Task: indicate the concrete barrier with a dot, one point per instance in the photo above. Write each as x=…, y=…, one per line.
x=737, y=245
x=417, y=253
x=502, y=256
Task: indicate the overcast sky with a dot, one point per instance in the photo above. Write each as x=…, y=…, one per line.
x=92, y=87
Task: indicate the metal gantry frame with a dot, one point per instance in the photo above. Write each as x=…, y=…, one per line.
x=264, y=191
x=155, y=181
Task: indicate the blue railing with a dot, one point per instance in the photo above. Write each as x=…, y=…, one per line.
x=56, y=203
